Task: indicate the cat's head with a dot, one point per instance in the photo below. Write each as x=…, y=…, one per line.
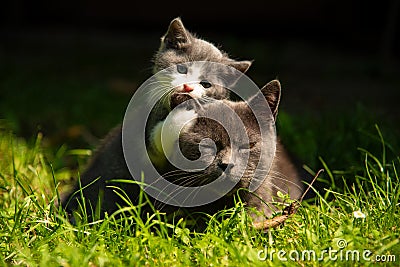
x=232, y=155
x=178, y=49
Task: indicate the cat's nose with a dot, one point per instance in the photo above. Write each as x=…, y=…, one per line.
x=225, y=166
x=187, y=88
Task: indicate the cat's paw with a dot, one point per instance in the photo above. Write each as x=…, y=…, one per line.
x=177, y=99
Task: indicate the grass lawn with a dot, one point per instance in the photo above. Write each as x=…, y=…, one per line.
x=354, y=219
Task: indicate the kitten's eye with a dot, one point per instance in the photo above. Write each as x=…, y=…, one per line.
x=205, y=84
x=182, y=69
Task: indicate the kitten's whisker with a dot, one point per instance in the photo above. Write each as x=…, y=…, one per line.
x=159, y=94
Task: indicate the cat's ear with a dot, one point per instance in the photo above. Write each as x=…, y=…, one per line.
x=272, y=93
x=177, y=36
x=241, y=66
x=230, y=75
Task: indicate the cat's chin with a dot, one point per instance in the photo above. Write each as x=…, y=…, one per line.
x=178, y=98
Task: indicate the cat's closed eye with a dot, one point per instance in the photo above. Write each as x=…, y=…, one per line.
x=182, y=69
x=247, y=146
x=206, y=84
x=209, y=149
x=207, y=144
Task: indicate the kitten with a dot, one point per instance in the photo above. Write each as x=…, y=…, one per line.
x=183, y=78
x=178, y=50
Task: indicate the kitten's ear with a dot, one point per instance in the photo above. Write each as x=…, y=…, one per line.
x=176, y=36
x=241, y=66
x=272, y=93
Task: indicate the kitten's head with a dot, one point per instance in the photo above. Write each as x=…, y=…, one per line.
x=232, y=156
x=178, y=49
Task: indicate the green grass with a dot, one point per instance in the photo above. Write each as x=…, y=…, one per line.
x=75, y=96
x=70, y=90
x=33, y=232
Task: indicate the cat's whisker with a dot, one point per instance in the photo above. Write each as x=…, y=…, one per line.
x=158, y=94
x=279, y=176
x=194, y=193
x=171, y=173
x=160, y=100
x=274, y=186
x=287, y=183
x=159, y=88
x=206, y=100
x=277, y=173
x=156, y=85
x=167, y=175
x=188, y=181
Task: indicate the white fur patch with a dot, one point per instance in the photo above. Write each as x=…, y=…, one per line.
x=177, y=122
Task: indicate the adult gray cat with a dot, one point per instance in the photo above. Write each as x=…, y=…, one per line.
x=230, y=151
x=283, y=175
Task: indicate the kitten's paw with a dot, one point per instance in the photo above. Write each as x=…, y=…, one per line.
x=177, y=99
x=185, y=101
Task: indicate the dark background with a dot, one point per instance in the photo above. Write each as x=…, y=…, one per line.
x=359, y=24
x=68, y=68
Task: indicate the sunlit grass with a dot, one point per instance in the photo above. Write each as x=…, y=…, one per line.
x=34, y=232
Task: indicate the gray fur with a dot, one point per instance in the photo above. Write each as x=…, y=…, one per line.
x=283, y=175
x=108, y=163
x=178, y=45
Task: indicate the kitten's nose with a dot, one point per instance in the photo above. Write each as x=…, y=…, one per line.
x=187, y=88
x=225, y=166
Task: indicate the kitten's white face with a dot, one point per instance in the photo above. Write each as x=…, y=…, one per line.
x=178, y=50
x=188, y=79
